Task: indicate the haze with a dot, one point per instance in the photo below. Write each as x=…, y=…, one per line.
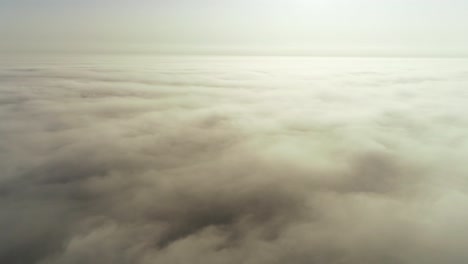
x=316, y=27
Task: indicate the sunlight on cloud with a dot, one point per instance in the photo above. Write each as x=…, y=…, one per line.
x=233, y=160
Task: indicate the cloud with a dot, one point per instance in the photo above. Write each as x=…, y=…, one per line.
x=204, y=160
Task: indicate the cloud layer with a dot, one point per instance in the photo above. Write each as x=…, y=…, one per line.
x=234, y=160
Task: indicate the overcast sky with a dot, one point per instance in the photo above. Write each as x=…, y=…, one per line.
x=320, y=27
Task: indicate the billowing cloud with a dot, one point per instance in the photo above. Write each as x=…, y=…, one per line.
x=234, y=160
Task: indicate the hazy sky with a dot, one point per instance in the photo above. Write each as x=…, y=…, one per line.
x=323, y=27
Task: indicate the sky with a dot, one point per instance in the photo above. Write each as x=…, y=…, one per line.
x=318, y=27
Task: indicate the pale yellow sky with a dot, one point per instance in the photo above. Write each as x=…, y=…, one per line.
x=315, y=27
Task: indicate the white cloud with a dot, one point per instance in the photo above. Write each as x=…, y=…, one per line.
x=234, y=160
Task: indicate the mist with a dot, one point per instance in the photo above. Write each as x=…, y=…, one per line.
x=193, y=159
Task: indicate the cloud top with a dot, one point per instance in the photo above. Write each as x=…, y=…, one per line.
x=234, y=160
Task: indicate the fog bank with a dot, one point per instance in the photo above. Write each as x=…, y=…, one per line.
x=233, y=160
